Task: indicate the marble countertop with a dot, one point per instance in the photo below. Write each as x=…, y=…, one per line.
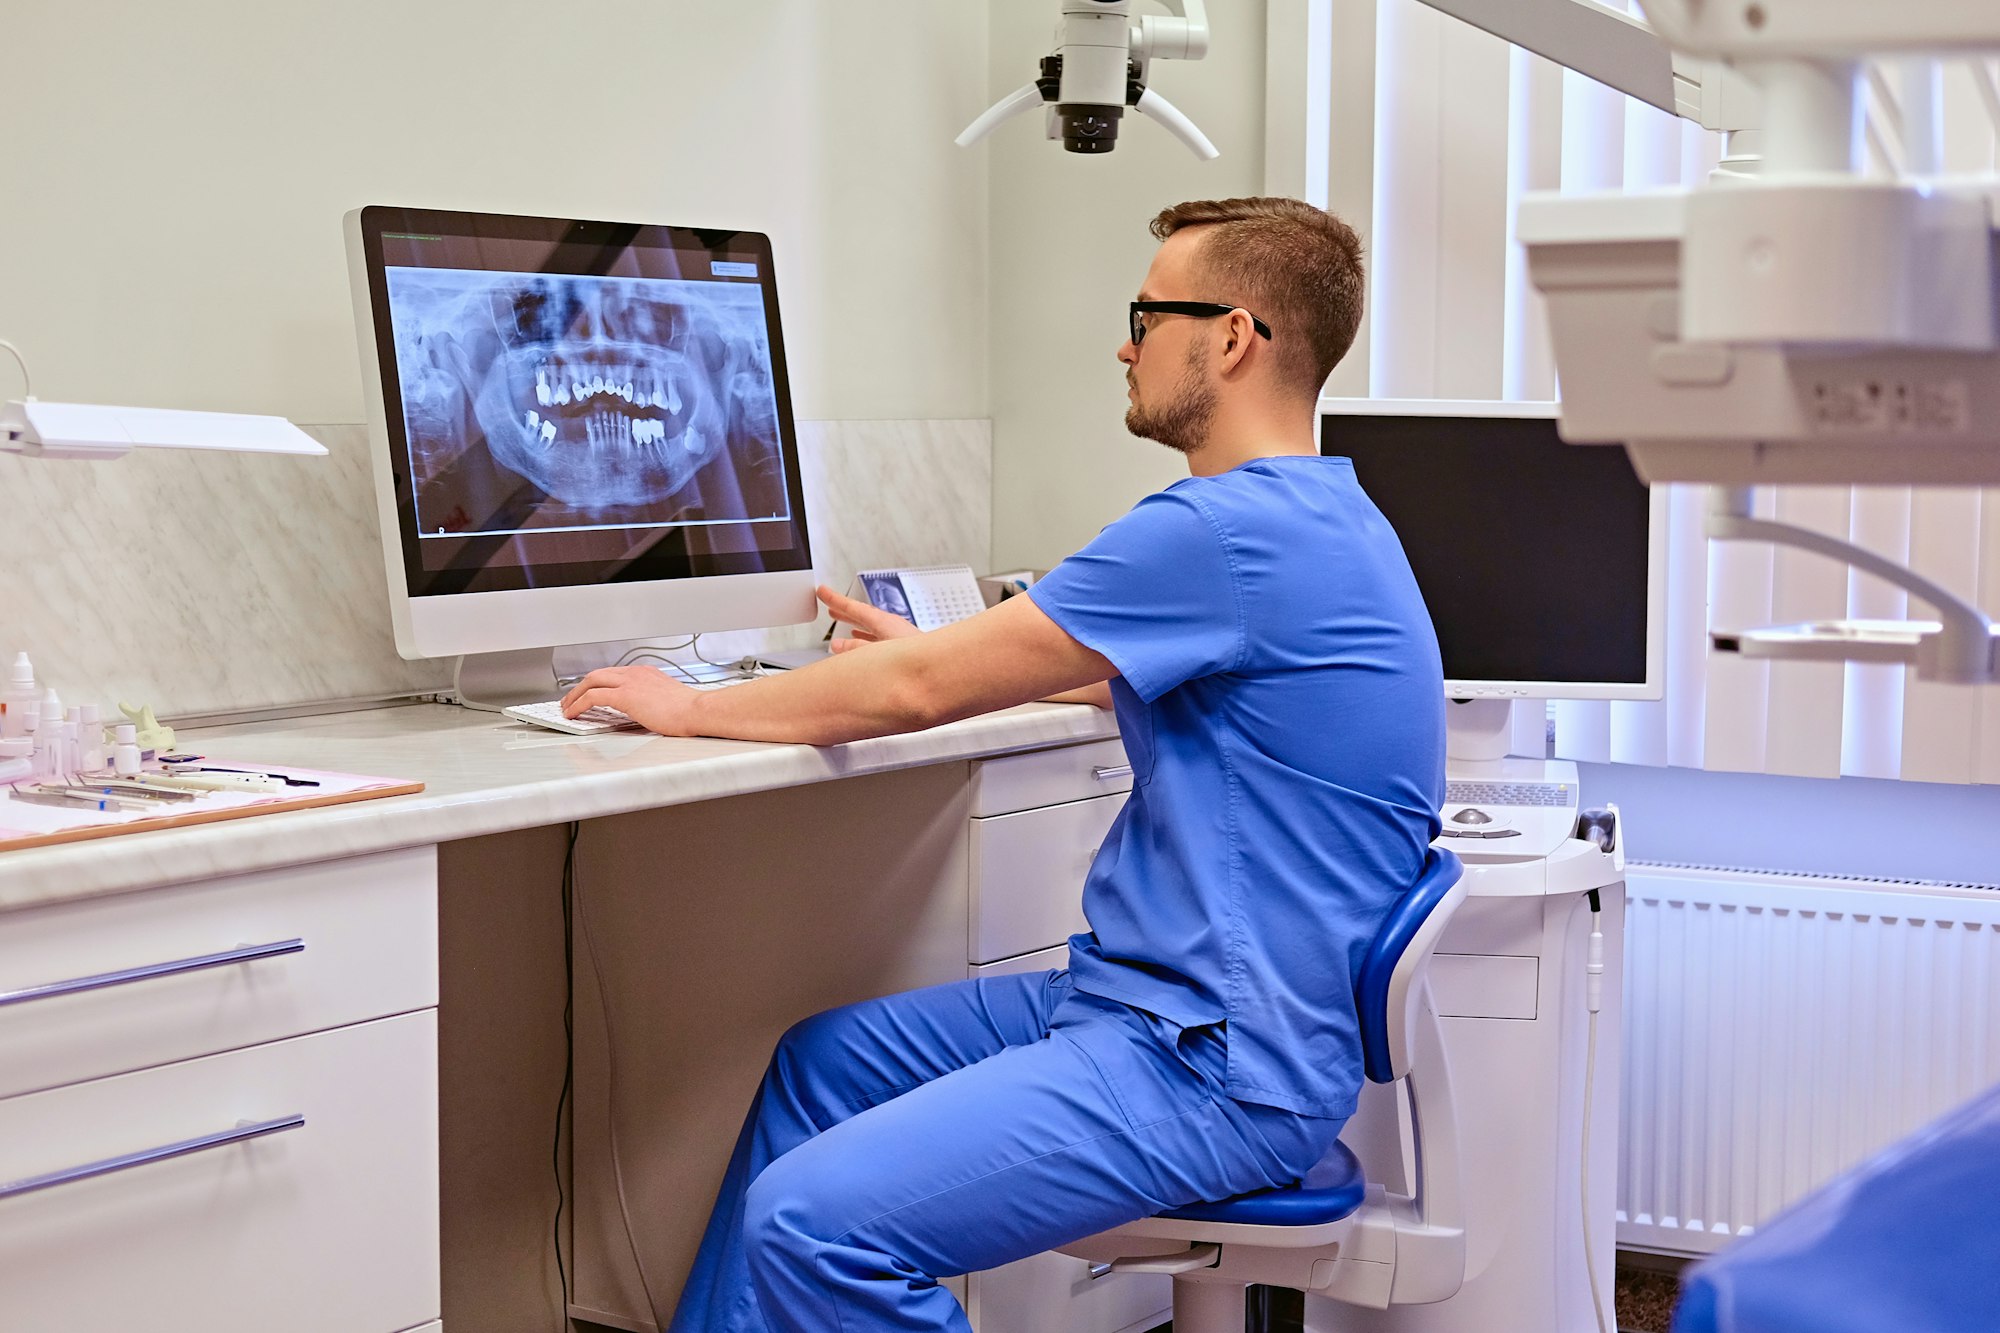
x=484, y=774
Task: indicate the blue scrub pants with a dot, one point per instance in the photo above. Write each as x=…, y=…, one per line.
x=958, y=1128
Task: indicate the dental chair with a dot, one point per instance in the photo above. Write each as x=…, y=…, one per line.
x=1333, y=1233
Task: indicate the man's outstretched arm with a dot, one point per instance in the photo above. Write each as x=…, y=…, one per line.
x=1011, y=654
x=871, y=624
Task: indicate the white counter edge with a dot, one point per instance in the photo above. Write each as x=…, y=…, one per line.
x=39, y=876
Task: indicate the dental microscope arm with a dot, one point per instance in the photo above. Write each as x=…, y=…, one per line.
x=1013, y=104
x=1177, y=124
x=1099, y=67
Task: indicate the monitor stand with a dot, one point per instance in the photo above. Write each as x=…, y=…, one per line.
x=493, y=681
x=1478, y=730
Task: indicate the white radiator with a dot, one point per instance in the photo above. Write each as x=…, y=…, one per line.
x=1779, y=1028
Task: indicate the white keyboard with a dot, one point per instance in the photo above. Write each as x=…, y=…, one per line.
x=593, y=721
x=1509, y=793
x=587, y=723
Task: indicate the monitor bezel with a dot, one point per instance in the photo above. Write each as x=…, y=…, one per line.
x=677, y=601
x=1658, y=512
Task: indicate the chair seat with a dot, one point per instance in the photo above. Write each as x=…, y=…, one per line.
x=1330, y=1191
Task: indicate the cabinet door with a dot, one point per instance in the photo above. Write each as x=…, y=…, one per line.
x=288, y=1186
x=109, y=985
x=1027, y=876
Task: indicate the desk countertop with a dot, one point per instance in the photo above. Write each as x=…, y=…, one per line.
x=483, y=774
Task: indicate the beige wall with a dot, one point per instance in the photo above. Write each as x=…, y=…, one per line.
x=174, y=179
x=1070, y=248
x=175, y=175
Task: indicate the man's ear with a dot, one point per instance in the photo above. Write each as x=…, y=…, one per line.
x=1236, y=336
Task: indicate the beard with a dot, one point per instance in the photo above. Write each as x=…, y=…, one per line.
x=1181, y=423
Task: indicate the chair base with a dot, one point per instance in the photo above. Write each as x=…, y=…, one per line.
x=1209, y=1307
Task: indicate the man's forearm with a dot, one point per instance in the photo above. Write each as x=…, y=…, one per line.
x=1012, y=654
x=849, y=697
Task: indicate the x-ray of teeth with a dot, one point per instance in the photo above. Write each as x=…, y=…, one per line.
x=619, y=400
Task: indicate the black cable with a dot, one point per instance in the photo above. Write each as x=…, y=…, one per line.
x=658, y=650
x=569, y=1059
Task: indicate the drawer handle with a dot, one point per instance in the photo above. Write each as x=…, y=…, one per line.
x=248, y=953
x=129, y=1160
x=1109, y=772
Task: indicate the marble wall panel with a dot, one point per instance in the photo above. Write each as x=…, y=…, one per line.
x=207, y=583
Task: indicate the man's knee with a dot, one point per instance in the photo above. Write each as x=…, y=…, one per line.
x=780, y=1226
x=812, y=1046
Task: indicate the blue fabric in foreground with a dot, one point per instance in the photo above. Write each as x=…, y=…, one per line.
x=1903, y=1243
x=1371, y=990
x=1330, y=1191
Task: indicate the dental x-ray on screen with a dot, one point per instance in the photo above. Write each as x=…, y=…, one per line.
x=620, y=401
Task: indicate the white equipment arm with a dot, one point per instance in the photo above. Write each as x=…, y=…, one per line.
x=1013, y=104
x=1159, y=108
x=1619, y=51
x=1593, y=39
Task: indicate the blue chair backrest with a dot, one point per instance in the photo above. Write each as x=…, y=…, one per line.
x=1390, y=959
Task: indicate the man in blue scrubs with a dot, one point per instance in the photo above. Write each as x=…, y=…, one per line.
x=1280, y=696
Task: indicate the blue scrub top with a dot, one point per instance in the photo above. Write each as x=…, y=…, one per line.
x=1282, y=702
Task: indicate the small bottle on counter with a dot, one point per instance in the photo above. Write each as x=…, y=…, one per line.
x=48, y=737
x=91, y=756
x=19, y=699
x=17, y=759
x=125, y=754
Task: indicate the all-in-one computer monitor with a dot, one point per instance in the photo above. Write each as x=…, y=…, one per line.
x=1543, y=563
x=582, y=432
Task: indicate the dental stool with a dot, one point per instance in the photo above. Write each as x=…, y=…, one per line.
x=1333, y=1233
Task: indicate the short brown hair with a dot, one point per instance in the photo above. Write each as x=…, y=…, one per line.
x=1295, y=266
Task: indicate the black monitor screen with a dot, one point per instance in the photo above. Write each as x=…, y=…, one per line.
x=1531, y=553
x=578, y=402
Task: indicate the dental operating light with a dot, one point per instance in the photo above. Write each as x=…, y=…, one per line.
x=88, y=430
x=1099, y=67
x=1792, y=320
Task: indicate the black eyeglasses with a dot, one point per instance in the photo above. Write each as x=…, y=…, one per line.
x=1199, y=309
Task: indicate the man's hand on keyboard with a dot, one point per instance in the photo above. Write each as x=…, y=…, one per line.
x=648, y=696
x=871, y=624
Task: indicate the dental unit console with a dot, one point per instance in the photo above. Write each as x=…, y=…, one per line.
x=1101, y=64
x=582, y=433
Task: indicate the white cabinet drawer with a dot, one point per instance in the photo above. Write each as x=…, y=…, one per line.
x=1027, y=876
x=1049, y=1292
x=329, y=1227
x=366, y=946
x=1049, y=777
x=1042, y=960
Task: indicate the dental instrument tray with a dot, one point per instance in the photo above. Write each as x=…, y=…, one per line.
x=29, y=819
